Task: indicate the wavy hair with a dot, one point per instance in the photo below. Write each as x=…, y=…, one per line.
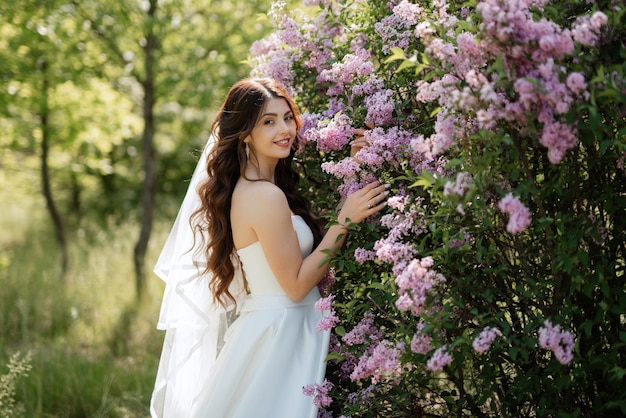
x=225, y=163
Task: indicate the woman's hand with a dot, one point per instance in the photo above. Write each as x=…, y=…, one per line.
x=363, y=203
x=358, y=143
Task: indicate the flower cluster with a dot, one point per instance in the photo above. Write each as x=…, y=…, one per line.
x=421, y=343
x=555, y=339
x=330, y=319
x=440, y=359
x=415, y=285
x=319, y=393
x=487, y=336
x=519, y=215
x=381, y=362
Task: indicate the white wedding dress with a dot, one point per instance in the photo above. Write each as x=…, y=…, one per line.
x=252, y=367
x=271, y=351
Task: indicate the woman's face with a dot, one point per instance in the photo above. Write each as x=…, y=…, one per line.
x=275, y=132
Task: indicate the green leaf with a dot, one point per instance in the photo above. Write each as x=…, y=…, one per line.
x=396, y=54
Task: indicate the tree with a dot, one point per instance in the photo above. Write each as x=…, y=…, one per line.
x=163, y=49
x=37, y=44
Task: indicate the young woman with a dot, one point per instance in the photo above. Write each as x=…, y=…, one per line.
x=245, y=245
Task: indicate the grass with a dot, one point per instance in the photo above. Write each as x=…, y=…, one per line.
x=94, y=348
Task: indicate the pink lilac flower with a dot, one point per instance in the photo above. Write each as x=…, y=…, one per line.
x=308, y=130
x=560, y=342
x=576, y=82
x=486, y=337
x=363, y=396
x=348, y=364
x=443, y=17
x=393, y=31
x=319, y=393
x=519, y=215
x=335, y=134
x=347, y=167
x=441, y=50
x=335, y=107
x=276, y=64
x=345, y=72
x=408, y=12
x=416, y=283
x=421, y=343
x=445, y=129
x=558, y=137
x=439, y=360
x=384, y=147
x=370, y=86
x=380, y=106
x=352, y=184
x=361, y=255
x=329, y=319
x=424, y=31
x=586, y=29
x=398, y=201
x=461, y=184
x=290, y=32
x=382, y=363
x=393, y=252
x=398, y=223
x=363, y=332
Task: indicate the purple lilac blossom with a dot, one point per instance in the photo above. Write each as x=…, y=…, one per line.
x=560, y=342
x=382, y=363
x=328, y=281
x=421, y=343
x=461, y=184
x=334, y=134
x=329, y=319
x=519, y=215
x=586, y=29
x=363, y=332
x=319, y=393
x=415, y=285
x=483, y=342
x=439, y=360
x=361, y=255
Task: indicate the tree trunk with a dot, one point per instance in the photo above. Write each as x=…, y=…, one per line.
x=149, y=157
x=51, y=206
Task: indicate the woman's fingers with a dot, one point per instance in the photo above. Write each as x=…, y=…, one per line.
x=376, y=196
x=367, y=201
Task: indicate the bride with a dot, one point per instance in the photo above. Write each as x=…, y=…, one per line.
x=241, y=267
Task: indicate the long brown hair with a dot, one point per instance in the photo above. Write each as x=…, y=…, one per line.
x=226, y=163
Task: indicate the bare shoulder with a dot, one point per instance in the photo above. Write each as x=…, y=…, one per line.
x=258, y=192
x=258, y=199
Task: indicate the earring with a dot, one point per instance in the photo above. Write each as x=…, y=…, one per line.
x=247, y=151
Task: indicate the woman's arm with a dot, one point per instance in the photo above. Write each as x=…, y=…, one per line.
x=270, y=218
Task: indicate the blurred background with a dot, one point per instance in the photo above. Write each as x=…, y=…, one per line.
x=104, y=108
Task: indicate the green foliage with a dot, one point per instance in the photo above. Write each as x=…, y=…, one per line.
x=17, y=367
x=94, y=56
x=94, y=349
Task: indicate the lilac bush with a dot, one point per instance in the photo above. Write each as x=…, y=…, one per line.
x=493, y=284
